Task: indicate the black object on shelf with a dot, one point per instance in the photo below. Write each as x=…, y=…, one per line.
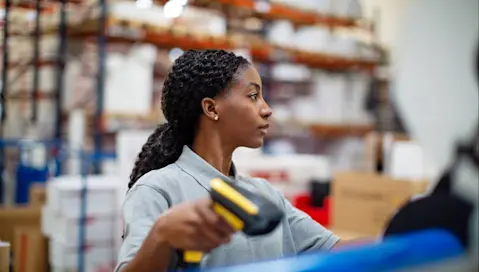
x=3, y=93
x=319, y=190
x=36, y=62
x=60, y=75
x=100, y=84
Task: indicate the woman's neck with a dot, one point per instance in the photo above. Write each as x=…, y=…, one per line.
x=212, y=151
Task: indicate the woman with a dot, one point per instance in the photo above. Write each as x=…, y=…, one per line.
x=213, y=103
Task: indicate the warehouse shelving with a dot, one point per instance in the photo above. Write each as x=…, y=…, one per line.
x=121, y=30
x=32, y=94
x=280, y=11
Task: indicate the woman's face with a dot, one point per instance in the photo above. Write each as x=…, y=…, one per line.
x=243, y=113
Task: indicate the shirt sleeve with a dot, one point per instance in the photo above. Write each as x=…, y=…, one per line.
x=308, y=235
x=141, y=208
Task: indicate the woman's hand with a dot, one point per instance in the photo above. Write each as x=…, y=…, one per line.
x=193, y=226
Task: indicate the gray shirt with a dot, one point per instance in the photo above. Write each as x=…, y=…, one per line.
x=188, y=179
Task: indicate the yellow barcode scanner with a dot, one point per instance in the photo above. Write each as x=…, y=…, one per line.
x=243, y=209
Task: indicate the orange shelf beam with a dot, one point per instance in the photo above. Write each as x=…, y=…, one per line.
x=30, y=6
x=297, y=16
x=279, y=11
x=26, y=95
x=39, y=63
x=340, y=130
x=166, y=38
x=47, y=6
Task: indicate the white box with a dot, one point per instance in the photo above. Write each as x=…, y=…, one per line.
x=154, y=14
x=98, y=257
x=288, y=173
x=202, y=21
x=126, y=72
x=281, y=33
x=64, y=195
x=66, y=229
x=315, y=39
x=330, y=96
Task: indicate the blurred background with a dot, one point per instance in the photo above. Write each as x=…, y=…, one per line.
x=81, y=88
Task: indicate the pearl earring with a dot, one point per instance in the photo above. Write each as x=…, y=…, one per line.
x=216, y=118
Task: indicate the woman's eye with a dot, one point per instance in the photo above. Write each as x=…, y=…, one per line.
x=254, y=96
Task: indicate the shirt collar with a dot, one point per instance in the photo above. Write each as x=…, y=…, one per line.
x=201, y=170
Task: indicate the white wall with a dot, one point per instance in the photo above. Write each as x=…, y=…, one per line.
x=388, y=14
x=435, y=85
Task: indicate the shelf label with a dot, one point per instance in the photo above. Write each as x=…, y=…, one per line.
x=126, y=32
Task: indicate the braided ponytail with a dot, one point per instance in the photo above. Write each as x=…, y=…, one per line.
x=162, y=148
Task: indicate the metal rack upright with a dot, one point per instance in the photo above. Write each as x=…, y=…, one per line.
x=60, y=62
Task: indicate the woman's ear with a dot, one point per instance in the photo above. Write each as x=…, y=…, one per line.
x=209, y=108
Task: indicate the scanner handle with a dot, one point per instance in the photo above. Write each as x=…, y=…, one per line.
x=190, y=259
x=221, y=189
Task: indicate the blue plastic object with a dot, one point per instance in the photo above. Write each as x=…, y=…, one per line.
x=394, y=253
x=25, y=174
x=25, y=177
x=32, y=168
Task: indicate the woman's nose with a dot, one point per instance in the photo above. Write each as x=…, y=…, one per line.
x=266, y=111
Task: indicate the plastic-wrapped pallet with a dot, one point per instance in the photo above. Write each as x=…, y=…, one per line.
x=62, y=221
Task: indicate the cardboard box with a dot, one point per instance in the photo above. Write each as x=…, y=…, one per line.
x=4, y=256
x=37, y=195
x=364, y=202
x=19, y=222
x=31, y=251
x=14, y=217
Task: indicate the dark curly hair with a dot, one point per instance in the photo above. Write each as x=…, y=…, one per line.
x=194, y=76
